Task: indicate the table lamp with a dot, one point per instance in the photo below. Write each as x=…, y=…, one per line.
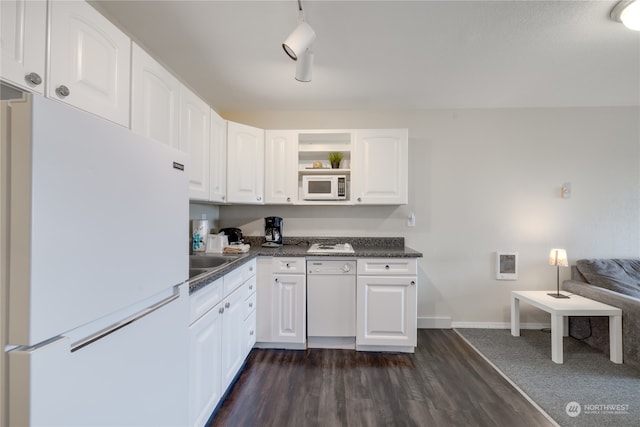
x=558, y=257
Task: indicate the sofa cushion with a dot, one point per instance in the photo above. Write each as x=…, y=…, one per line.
x=618, y=275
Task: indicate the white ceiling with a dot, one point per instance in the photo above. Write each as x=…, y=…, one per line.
x=392, y=54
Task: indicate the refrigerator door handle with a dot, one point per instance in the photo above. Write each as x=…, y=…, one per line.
x=124, y=322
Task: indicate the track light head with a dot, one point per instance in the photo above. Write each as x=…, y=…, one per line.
x=627, y=12
x=299, y=40
x=304, y=66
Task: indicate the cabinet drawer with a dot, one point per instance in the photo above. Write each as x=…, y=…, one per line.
x=237, y=277
x=387, y=266
x=289, y=265
x=204, y=299
x=250, y=305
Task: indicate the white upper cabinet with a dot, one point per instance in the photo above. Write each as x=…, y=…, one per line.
x=89, y=61
x=245, y=164
x=379, y=167
x=155, y=99
x=218, y=159
x=281, y=167
x=23, y=43
x=194, y=139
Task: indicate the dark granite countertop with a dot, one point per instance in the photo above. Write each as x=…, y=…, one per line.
x=370, y=247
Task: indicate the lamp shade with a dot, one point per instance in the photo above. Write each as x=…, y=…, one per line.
x=627, y=12
x=558, y=257
x=299, y=40
x=304, y=66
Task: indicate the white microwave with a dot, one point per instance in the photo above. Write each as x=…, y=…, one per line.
x=324, y=187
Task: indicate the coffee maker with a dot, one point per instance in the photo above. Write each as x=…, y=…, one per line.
x=272, y=231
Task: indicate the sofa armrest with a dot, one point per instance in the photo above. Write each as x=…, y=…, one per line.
x=606, y=296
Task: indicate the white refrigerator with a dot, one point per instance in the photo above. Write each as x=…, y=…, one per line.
x=95, y=259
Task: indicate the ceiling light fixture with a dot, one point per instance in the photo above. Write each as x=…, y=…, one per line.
x=627, y=12
x=298, y=47
x=301, y=38
x=304, y=65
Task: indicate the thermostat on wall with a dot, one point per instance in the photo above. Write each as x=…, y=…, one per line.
x=506, y=265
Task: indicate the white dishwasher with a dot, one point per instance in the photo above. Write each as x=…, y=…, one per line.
x=331, y=303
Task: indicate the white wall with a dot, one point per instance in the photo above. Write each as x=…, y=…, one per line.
x=481, y=181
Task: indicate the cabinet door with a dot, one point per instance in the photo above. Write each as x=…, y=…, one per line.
x=233, y=341
x=379, y=168
x=288, y=308
x=281, y=167
x=23, y=41
x=386, y=311
x=90, y=58
x=218, y=159
x=205, y=384
x=249, y=333
x=155, y=99
x=194, y=139
x=245, y=164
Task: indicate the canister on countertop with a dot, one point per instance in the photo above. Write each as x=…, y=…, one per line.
x=199, y=232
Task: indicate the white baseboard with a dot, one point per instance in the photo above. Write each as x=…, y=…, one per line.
x=498, y=325
x=447, y=323
x=434, y=322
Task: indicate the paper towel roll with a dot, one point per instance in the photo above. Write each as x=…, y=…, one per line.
x=199, y=232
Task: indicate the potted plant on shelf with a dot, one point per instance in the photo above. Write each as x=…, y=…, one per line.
x=335, y=158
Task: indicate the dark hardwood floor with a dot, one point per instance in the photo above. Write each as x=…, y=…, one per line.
x=445, y=383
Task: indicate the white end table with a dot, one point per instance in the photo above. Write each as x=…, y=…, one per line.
x=560, y=310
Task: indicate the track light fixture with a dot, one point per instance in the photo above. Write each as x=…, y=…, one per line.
x=304, y=66
x=627, y=12
x=298, y=47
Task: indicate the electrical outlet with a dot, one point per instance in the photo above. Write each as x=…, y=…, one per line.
x=411, y=220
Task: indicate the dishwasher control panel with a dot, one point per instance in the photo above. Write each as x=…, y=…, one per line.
x=331, y=267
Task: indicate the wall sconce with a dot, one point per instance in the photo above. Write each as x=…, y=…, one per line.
x=627, y=12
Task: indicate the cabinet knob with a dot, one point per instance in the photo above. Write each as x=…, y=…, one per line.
x=276, y=280
x=221, y=310
x=250, y=287
x=227, y=305
x=33, y=78
x=251, y=332
x=359, y=199
x=386, y=267
x=413, y=283
x=223, y=197
x=250, y=305
x=288, y=199
x=62, y=91
x=259, y=198
x=288, y=266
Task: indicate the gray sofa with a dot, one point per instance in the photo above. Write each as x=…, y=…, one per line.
x=614, y=282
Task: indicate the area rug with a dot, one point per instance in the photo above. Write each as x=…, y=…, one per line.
x=586, y=390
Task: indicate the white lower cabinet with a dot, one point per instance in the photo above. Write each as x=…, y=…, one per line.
x=281, y=297
x=386, y=304
x=205, y=368
x=220, y=323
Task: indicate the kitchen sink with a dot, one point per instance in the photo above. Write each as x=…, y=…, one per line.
x=193, y=272
x=208, y=261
